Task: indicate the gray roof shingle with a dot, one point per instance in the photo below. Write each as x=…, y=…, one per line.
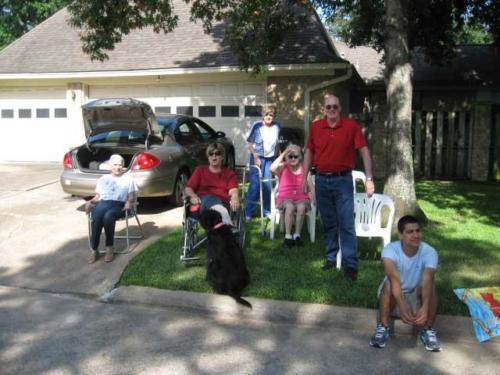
x=473, y=65
x=54, y=47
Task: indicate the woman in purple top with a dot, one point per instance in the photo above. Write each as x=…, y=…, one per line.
x=291, y=199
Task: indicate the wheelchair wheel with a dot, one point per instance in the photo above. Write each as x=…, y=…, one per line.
x=242, y=229
x=189, y=239
x=239, y=223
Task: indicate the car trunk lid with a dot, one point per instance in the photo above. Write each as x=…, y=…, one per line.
x=106, y=115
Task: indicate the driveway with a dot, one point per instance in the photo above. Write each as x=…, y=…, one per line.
x=43, y=233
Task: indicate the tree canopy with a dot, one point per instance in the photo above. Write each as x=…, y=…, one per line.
x=435, y=26
x=18, y=17
x=256, y=28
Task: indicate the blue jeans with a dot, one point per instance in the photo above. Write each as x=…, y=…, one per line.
x=104, y=215
x=253, y=194
x=334, y=196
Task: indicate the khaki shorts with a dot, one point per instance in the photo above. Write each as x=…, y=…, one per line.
x=411, y=299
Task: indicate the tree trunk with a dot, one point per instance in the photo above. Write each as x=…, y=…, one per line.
x=400, y=184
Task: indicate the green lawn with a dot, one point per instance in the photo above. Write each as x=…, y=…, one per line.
x=463, y=226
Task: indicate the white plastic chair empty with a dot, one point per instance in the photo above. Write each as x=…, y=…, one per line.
x=357, y=176
x=275, y=216
x=368, y=218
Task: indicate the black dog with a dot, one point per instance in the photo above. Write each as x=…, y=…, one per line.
x=227, y=272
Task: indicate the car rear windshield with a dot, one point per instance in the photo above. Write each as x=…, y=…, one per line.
x=119, y=136
x=167, y=124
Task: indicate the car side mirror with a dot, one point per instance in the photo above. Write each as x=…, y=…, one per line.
x=220, y=134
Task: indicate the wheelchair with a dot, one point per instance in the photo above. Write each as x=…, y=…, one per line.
x=193, y=236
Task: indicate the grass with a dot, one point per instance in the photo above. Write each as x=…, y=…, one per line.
x=463, y=226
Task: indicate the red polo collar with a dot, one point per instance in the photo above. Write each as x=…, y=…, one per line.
x=324, y=123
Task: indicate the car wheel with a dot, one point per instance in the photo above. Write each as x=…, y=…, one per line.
x=230, y=161
x=180, y=184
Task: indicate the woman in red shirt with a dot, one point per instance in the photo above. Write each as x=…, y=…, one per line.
x=213, y=186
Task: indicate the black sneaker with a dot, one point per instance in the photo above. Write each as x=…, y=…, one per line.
x=288, y=242
x=350, y=274
x=299, y=242
x=328, y=265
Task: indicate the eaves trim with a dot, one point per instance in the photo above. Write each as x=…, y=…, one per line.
x=172, y=71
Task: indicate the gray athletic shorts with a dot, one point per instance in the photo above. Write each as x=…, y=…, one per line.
x=411, y=299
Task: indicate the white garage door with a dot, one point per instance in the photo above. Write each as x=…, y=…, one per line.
x=34, y=124
x=228, y=107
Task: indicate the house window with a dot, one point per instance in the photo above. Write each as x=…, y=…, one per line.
x=60, y=113
x=206, y=111
x=230, y=111
x=24, y=113
x=253, y=111
x=7, y=113
x=42, y=113
x=163, y=110
x=185, y=110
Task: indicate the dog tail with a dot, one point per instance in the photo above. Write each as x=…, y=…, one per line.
x=242, y=301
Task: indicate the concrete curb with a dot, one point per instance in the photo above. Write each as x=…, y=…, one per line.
x=352, y=318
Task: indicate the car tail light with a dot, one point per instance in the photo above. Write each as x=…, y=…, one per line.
x=68, y=161
x=144, y=161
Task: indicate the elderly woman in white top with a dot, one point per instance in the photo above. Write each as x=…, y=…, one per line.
x=114, y=196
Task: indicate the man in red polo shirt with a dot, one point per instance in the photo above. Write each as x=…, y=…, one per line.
x=331, y=149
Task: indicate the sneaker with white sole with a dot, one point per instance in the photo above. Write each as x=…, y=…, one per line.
x=380, y=337
x=428, y=336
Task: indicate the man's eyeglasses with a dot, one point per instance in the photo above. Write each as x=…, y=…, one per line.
x=269, y=114
x=329, y=107
x=214, y=153
x=293, y=157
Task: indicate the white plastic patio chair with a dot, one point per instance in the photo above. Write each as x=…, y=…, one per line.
x=357, y=176
x=368, y=218
x=275, y=216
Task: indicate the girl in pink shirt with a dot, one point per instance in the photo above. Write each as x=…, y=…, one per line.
x=291, y=199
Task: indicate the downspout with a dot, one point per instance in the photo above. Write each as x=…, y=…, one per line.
x=307, y=96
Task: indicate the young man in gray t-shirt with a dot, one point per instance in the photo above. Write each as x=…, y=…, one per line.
x=408, y=289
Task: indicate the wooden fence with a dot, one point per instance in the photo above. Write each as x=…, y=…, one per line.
x=442, y=144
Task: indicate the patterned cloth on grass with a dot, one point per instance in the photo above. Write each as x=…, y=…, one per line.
x=484, y=308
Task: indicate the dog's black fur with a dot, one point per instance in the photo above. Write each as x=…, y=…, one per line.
x=227, y=272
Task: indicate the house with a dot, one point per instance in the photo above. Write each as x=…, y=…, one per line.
x=456, y=111
x=45, y=78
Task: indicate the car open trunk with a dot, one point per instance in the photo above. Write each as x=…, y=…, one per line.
x=95, y=159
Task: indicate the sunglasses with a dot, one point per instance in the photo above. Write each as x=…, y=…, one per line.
x=329, y=107
x=215, y=153
x=269, y=114
x=293, y=157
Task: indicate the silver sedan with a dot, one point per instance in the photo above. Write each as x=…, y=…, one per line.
x=160, y=153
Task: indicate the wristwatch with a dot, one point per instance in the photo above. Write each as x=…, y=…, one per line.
x=369, y=179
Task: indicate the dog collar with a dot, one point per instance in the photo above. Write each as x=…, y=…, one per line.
x=218, y=225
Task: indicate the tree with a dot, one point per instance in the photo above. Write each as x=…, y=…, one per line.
x=18, y=17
